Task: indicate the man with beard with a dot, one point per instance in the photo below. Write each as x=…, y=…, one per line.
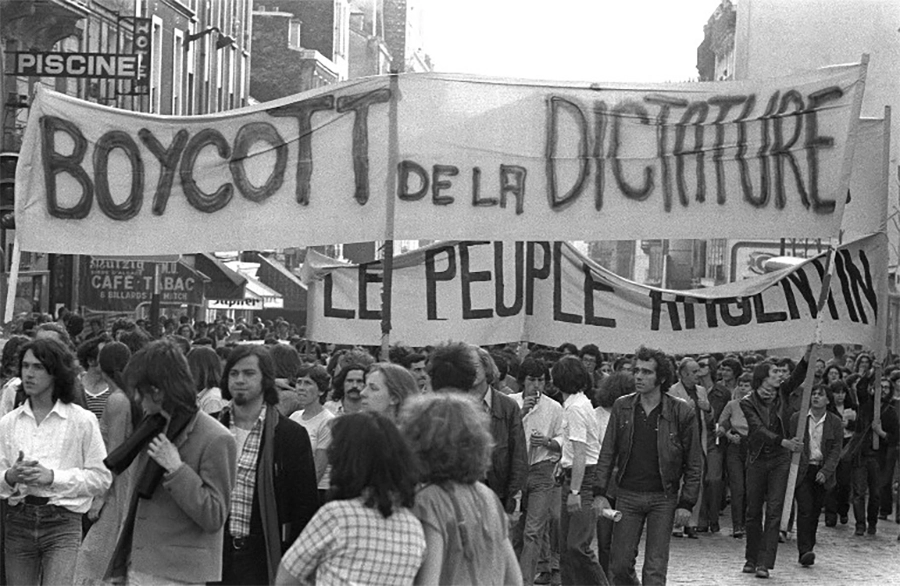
x=346, y=389
x=275, y=494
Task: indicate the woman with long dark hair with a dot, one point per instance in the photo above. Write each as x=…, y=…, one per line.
x=366, y=534
x=206, y=369
x=108, y=511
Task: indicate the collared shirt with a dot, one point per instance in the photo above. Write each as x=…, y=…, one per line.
x=815, y=437
x=580, y=425
x=347, y=542
x=244, y=486
x=487, y=400
x=68, y=442
x=545, y=418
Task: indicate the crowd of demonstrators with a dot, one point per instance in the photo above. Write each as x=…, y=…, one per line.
x=243, y=453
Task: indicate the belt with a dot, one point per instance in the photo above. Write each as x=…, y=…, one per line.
x=37, y=501
x=246, y=542
x=567, y=472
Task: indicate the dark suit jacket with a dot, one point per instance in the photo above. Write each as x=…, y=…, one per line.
x=509, y=462
x=832, y=442
x=296, y=491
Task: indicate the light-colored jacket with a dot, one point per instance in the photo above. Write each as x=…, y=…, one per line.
x=678, y=390
x=178, y=534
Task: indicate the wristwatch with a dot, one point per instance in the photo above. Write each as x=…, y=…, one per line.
x=575, y=492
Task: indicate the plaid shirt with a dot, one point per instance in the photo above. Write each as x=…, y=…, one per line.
x=242, y=495
x=347, y=542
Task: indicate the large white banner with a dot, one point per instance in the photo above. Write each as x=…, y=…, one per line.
x=475, y=159
x=495, y=292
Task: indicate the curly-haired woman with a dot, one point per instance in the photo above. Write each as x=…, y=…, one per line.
x=465, y=524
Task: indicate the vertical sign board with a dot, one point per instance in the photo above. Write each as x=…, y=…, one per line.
x=143, y=48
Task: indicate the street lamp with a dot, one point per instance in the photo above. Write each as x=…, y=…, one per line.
x=222, y=41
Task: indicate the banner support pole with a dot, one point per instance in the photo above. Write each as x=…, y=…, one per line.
x=13, y=283
x=390, y=187
x=815, y=351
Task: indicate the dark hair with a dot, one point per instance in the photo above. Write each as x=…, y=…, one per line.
x=135, y=339
x=206, y=368
x=760, y=373
x=617, y=384
x=570, y=375
x=591, y=350
x=162, y=365
x=88, y=350
x=9, y=360
x=113, y=359
x=74, y=324
x=664, y=368
x=287, y=360
x=621, y=361
x=411, y=359
x=54, y=327
x=840, y=386
x=533, y=368
x=568, y=348
x=734, y=365
x=502, y=365
x=370, y=459
x=453, y=365
x=59, y=362
x=223, y=352
x=318, y=374
x=337, y=383
x=831, y=367
x=266, y=369
x=183, y=343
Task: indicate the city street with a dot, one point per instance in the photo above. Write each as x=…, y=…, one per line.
x=841, y=558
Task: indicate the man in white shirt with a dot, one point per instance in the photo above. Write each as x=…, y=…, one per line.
x=542, y=423
x=580, y=450
x=51, y=452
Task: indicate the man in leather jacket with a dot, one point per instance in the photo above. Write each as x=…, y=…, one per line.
x=768, y=410
x=653, y=443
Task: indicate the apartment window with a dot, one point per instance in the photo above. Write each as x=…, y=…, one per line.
x=178, y=72
x=294, y=34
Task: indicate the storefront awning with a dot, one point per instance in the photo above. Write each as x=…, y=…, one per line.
x=224, y=283
x=276, y=276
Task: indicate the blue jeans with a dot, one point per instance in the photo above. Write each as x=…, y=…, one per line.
x=538, y=498
x=658, y=512
x=41, y=544
x=715, y=482
x=766, y=483
x=577, y=562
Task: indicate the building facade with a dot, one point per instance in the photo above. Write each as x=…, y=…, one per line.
x=190, y=57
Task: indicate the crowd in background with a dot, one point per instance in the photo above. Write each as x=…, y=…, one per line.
x=277, y=459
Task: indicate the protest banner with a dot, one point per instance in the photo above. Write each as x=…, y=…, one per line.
x=496, y=292
x=477, y=158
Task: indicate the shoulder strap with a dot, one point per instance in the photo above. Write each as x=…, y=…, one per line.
x=463, y=533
